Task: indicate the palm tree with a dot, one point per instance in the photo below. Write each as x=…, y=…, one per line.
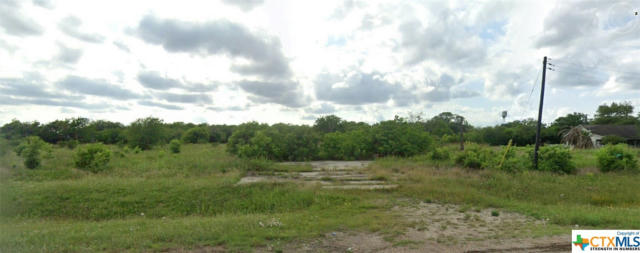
x=577, y=137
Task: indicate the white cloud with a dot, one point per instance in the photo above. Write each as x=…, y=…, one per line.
x=289, y=61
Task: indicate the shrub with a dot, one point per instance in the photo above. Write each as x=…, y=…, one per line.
x=476, y=157
x=351, y=145
x=196, y=135
x=450, y=138
x=70, y=144
x=118, y=153
x=136, y=150
x=259, y=147
x=174, y=146
x=514, y=162
x=400, y=138
x=292, y=143
x=439, y=154
x=281, y=142
x=555, y=159
x=93, y=157
x=30, y=149
x=616, y=158
x=242, y=136
x=612, y=139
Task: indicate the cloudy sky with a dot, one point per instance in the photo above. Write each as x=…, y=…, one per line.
x=233, y=61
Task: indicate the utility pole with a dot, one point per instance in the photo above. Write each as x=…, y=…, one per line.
x=544, y=74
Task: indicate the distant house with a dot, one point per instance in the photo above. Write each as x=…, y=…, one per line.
x=630, y=133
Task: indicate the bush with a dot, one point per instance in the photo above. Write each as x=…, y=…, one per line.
x=351, y=145
x=555, y=159
x=93, y=157
x=196, y=135
x=450, y=138
x=476, y=157
x=70, y=144
x=400, y=138
x=284, y=142
x=514, y=162
x=242, y=136
x=612, y=139
x=30, y=149
x=616, y=158
x=439, y=154
x=281, y=142
x=174, y=146
x=259, y=147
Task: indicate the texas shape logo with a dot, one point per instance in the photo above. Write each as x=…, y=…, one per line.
x=582, y=243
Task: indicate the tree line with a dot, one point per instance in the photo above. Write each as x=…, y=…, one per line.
x=330, y=137
x=143, y=133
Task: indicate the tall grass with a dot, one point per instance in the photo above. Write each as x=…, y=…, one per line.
x=194, y=160
x=109, y=198
x=599, y=200
x=156, y=200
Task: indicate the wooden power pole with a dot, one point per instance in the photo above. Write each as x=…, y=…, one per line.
x=544, y=74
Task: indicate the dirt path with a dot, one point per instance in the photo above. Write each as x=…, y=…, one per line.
x=443, y=228
x=361, y=242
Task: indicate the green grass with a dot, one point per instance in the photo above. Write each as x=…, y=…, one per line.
x=155, y=200
x=598, y=200
x=100, y=199
x=195, y=160
x=234, y=232
x=585, y=159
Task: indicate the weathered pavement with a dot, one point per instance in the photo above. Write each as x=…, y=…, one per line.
x=329, y=174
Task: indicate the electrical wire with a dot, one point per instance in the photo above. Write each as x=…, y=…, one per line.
x=533, y=86
x=565, y=64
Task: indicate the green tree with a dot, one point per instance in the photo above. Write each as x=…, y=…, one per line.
x=616, y=113
x=31, y=150
x=328, y=124
x=553, y=133
x=107, y=132
x=612, y=139
x=242, y=135
x=196, y=135
x=259, y=146
x=447, y=123
x=570, y=120
x=146, y=132
x=400, y=138
x=17, y=130
x=350, y=145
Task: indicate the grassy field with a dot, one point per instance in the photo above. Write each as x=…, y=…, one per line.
x=155, y=200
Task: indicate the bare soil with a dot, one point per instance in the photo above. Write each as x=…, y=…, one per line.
x=441, y=228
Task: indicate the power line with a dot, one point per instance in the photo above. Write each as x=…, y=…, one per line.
x=533, y=86
x=581, y=67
